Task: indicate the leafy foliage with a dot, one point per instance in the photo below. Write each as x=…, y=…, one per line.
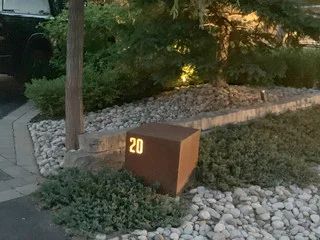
x=107, y=202
x=98, y=92
x=128, y=56
x=103, y=24
x=256, y=68
x=303, y=68
x=248, y=25
x=286, y=66
x=290, y=15
x=266, y=152
x=47, y=95
x=150, y=45
x=154, y=53
x=138, y=50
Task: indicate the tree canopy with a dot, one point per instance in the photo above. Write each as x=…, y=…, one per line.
x=291, y=15
x=244, y=25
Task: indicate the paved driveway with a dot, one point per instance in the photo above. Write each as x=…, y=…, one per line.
x=11, y=95
x=20, y=219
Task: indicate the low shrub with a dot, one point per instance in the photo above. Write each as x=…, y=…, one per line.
x=107, y=202
x=99, y=91
x=49, y=95
x=303, y=68
x=266, y=152
x=255, y=67
x=286, y=67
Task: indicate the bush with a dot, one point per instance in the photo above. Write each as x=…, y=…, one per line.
x=103, y=24
x=49, y=96
x=160, y=50
x=267, y=152
x=98, y=90
x=255, y=67
x=303, y=68
x=107, y=202
x=287, y=67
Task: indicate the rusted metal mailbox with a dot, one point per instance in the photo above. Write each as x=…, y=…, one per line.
x=163, y=154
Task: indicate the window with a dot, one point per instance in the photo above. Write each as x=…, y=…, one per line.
x=34, y=7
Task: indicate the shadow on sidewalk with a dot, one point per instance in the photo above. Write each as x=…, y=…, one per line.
x=11, y=95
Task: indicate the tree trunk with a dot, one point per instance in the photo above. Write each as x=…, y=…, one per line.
x=73, y=101
x=222, y=53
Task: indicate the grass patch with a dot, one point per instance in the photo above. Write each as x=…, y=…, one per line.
x=107, y=202
x=266, y=152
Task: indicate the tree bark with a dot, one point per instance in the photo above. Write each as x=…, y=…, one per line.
x=73, y=88
x=222, y=53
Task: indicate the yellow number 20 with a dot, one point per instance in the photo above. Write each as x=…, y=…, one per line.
x=136, y=145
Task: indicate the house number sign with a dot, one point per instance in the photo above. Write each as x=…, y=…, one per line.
x=162, y=154
x=136, y=145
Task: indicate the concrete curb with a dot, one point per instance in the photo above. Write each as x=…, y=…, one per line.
x=23, y=142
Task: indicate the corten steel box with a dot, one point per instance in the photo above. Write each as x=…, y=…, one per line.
x=163, y=154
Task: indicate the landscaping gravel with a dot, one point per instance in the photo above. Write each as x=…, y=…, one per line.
x=49, y=136
x=246, y=213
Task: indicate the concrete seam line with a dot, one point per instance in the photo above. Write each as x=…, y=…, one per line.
x=3, y=157
x=14, y=143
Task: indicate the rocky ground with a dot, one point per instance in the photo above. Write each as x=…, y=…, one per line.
x=49, y=136
x=247, y=213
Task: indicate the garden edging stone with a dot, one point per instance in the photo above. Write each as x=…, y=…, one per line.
x=201, y=107
x=109, y=146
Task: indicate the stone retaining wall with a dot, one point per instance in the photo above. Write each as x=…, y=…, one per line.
x=108, y=147
x=207, y=121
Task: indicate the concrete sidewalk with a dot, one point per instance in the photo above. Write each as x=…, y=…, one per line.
x=20, y=216
x=18, y=170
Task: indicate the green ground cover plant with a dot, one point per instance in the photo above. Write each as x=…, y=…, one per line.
x=266, y=152
x=107, y=202
x=276, y=150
